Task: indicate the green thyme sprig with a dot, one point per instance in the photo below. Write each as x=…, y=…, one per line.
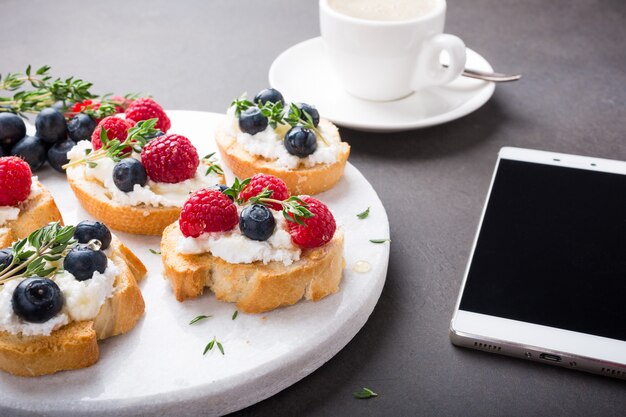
x=35, y=91
x=214, y=167
x=214, y=342
x=138, y=137
x=46, y=91
x=241, y=104
x=274, y=112
x=30, y=255
x=277, y=114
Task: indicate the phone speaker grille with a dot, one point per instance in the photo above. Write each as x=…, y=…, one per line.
x=487, y=347
x=614, y=373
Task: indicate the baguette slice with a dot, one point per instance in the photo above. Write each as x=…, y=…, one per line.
x=35, y=212
x=313, y=180
x=142, y=219
x=75, y=345
x=254, y=287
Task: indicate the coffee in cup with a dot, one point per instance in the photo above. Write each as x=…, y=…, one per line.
x=386, y=49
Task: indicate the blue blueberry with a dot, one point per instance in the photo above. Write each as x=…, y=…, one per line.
x=252, y=121
x=37, y=300
x=88, y=230
x=12, y=129
x=32, y=150
x=51, y=125
x=300, y=141
x=81, y=127
x=310, y=110
x=270, y=95
x=82, y=262
x=257, y=222
x=127, y=173
x=6, y=257
x=57, y=154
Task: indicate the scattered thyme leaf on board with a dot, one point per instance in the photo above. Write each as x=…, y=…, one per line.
x=154, y=251
x=364, y=214
x=212, y=344
x=235, y=314
x=364, y=394
x=380, y=240
x=198, y=318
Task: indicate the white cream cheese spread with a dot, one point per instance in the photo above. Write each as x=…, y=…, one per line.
x=235, y=248
x=269, y=144
x=82, y=301
x=153, y=194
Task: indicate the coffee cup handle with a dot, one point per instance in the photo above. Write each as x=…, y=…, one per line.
x=429, y=71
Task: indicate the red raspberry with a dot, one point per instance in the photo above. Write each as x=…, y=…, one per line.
x=170, y=158
x=115, y=127
x=15, y=181
x=207, y=211
x=258, y=184
x=319, y=229
x=146, y=108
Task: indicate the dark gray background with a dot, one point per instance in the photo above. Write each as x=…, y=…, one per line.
x=199, y=55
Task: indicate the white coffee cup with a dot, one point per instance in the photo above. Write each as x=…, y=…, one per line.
x=384, y=60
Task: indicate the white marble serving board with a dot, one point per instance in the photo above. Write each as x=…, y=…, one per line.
x=158, y=368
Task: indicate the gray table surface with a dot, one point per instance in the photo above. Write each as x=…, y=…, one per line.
x=199, y=55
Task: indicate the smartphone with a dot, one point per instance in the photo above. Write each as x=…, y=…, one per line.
x=546, y=277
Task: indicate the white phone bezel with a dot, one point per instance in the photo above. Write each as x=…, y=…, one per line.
x=518, y=338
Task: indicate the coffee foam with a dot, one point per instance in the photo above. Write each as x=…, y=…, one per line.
x=384, y=10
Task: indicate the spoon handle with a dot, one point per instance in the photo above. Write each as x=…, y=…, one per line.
x=489, y=76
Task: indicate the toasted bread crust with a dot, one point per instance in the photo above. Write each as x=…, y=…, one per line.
x=254, y=287
x=74, y=345
x=313, y=180
x=35, y=212
x=142, y=220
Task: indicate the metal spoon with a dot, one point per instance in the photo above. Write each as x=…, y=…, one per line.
x=489, y=76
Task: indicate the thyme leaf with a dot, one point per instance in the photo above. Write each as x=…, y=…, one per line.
x=380, y=240
x=198, y=318
x=364, y=214
x=364, y=394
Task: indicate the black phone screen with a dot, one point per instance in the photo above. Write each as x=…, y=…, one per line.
x=551, y=249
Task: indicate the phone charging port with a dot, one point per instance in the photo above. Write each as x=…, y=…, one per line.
x=550, y=357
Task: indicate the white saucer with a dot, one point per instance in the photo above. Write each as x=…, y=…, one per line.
x=302, y=73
